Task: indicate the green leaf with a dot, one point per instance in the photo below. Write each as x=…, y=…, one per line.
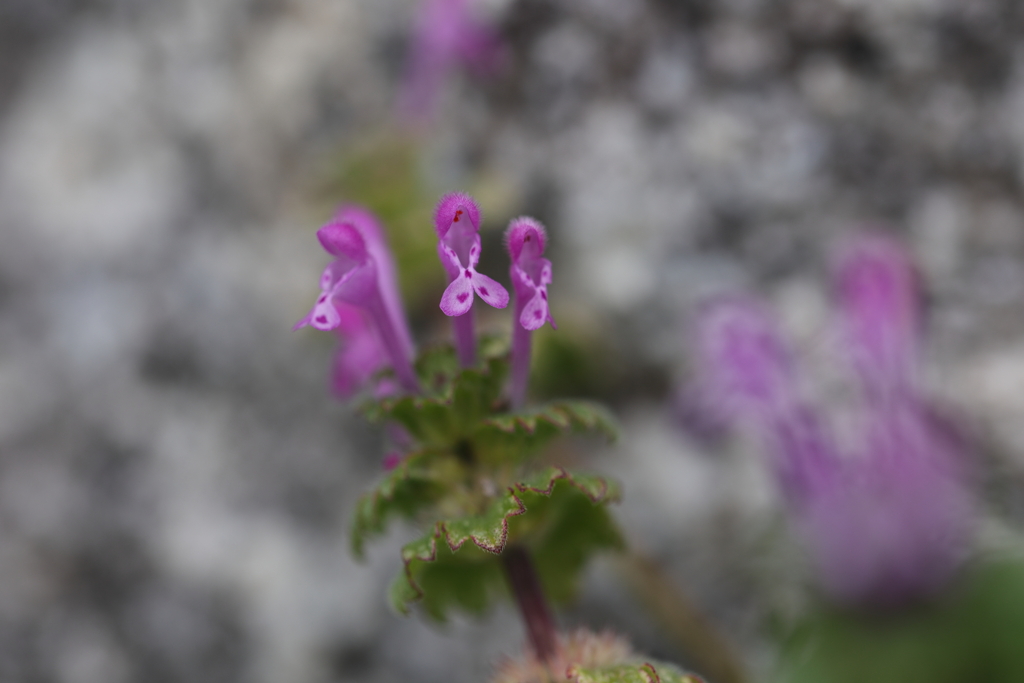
x=455, y=399
x=558, y=516
x=513, y=437
x=413, y=485
x=645, y=672
x=563, y=531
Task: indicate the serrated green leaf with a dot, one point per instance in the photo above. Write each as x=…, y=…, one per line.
x=559, y=517
x=410, y=487
x=565, y=530
x=467, y=579
x=645, y=672
x=514, y=437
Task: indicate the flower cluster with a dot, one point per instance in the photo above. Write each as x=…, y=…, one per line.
x=359, y=296
x=887, y=513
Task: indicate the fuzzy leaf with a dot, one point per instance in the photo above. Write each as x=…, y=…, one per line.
x=645, y=672
x=558, y=516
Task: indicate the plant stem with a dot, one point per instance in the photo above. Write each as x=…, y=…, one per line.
x=465, y=340
x=710, y=652
x=521, y=342
x=525, y=585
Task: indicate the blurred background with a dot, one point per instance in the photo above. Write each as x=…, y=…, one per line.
x=176, y=480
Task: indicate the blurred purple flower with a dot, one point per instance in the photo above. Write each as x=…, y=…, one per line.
x=878, y=300
x=447, y=34
x=887, y=515
x=530, y=272
x=747, y=367
x=891, y=523
x=361, y=281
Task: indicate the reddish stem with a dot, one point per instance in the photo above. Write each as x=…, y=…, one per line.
x=525, y=585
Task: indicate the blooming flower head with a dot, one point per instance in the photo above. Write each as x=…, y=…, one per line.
x=447, y=34
x=457, y=221
x=525, y=240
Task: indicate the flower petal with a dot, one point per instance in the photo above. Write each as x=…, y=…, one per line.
x=454, y=208
x=324, y=315
x=490, y=290
x=343, y=240
x=358, y=286
x=535, y=313
x=458, y=298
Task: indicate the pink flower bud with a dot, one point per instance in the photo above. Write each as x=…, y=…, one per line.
x=525, y=240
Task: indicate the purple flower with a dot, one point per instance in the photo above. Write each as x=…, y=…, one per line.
x=525, y=239
x=746, y=366
x=354, y=279
x=892, y=521
x=457, y=220
x=447, y=34
x=359, y=354
x=387, y=273
x=879, y=305
x=887, y=512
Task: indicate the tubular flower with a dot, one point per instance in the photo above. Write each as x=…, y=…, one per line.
x=887, y=512
x=892, y=521
x=447, y=34
x=879, y=305
x=359, y=353
x=353, y=279
x=530, y=272
x=457, y=221
x=746, y=367
x=525, y=240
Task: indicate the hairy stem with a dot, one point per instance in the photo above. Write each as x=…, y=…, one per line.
x=525, y=585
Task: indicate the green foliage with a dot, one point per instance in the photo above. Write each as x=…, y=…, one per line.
x=465, y=407
x=477, y=478
x=631, y=673
x=559, y=517
x=974, y=634
x=416, y=483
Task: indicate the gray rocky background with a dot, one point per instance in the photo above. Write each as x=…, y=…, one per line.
x=175, y=483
